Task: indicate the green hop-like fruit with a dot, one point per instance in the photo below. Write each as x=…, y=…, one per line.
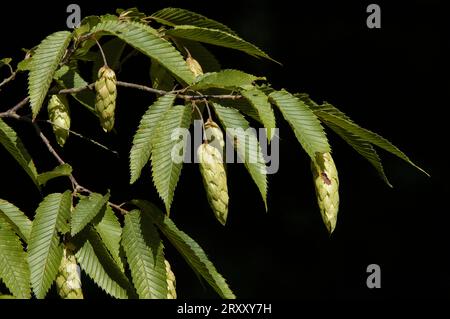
x=68, y=280
x=105, y=102
x=327, y=188
x=59, y=115
x=171, y=283
x=214, y=135
x=214, y=180
x=194, y=66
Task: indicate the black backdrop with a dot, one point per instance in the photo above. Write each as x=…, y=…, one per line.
x=390, y=80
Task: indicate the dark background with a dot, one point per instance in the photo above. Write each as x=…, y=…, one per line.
x=393, y=80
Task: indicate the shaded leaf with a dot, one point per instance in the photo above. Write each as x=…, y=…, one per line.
x=19, y=222
x=13, y=144
x=58, y=171
x=225, y=79
x=14, y=271
x=98, y=264
x=217, y=37
x=188, y=248
x=85, y=211
x=110, y=232
x=144, y=251
x=69, y=78
x=367, y=136
x=147, y=41
x=177, y=16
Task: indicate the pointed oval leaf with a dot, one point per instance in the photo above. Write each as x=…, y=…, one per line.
x=144, y=250
x=361, y=146
x=260, y=103
x=369, y=136
x=110, y=232
x=58, y=171
x=304, y=123
x=147, y=41
x=44, y=248
x=165, y=170
x=248, y=147
x=142, y=141
x=217, y=37
x=194, y=255
x=161, y=78
x=177, y=16
x=113, y=50
x=70, y=78
x=44, y=64
x=19, y=222
x=14, y=271
x=86, y=210
x=98, y=264
x=225, y=79
x=206, y=59
x=13, y=144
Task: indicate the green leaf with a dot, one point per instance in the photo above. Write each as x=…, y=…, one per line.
x=364, y=148
x=203, y=56
x=98, y=264
x=304, y=123
x=13, y=144
x=367, y=136
x=142, y=141
x=160, y=77
x=44, y=249
x=144, y=250
x=217, y=37
x=113, y=50
x=248, y=147
x=242, y=105
x=24, y=65
x=5, y=61
x=58, y=171
x=44, y=64
x=225, y=79
x=19, y=222
x=165, y=171
x=265, y=112
x=69, y=78
x=110, y=232
x=86, y=210
x=145, y=39
x=188, y=248
x=177, y=16
x=14, y=271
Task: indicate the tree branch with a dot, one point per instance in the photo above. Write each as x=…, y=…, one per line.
x=9, y=78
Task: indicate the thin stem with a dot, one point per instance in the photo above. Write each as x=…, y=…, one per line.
x=103, y=53
x=81, y=136
x=205, y=139
x=9, y=78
